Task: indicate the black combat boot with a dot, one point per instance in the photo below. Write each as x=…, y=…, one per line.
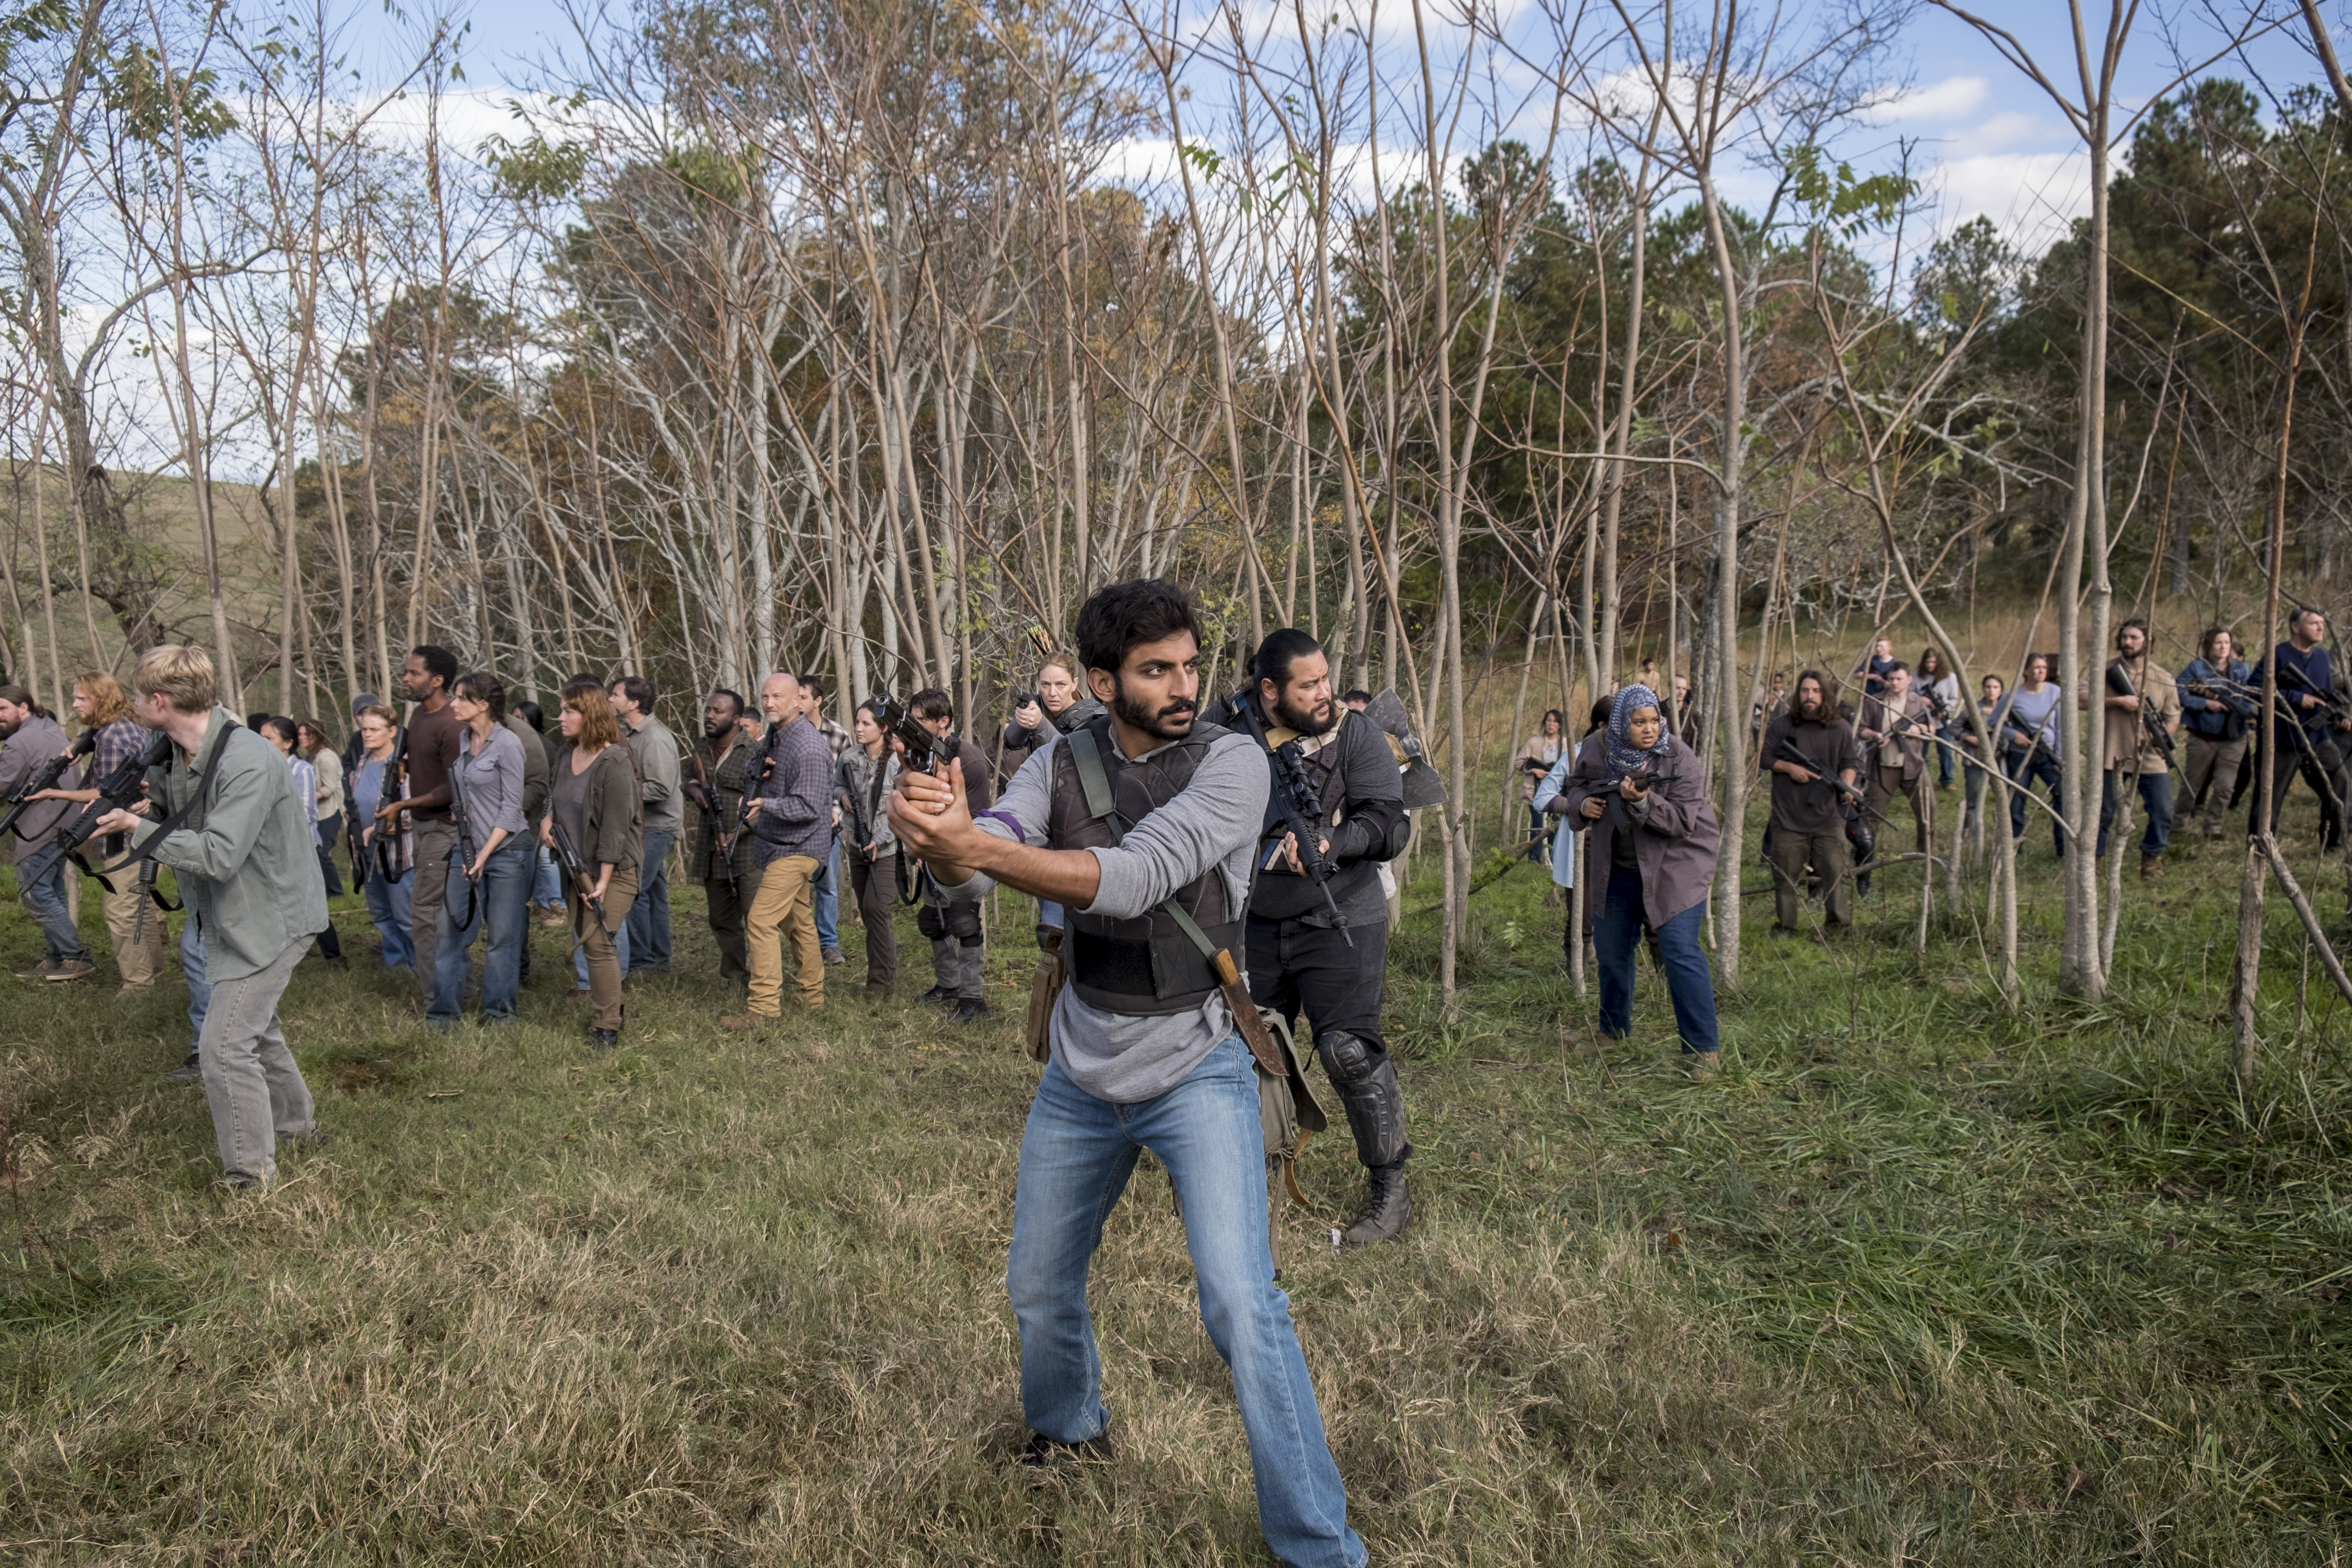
x=1388, y=1208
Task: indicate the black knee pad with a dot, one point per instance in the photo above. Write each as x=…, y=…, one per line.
x=931, y=921
x=964, y=922
x=1349, y=1059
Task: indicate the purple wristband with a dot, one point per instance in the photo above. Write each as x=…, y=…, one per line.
x=1020, y=835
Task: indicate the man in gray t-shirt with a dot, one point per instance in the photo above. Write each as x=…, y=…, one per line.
x=1144, y=1053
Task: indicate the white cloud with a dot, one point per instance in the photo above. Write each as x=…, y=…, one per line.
x=2031, y=197
x=1946, y=99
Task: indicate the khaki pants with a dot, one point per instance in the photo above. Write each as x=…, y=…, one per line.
x=1831, y=859
x=595, y=939
x=434, y=841
x=136, y=928
x=784, y=899
x=2213, y=769
x=1887, y=785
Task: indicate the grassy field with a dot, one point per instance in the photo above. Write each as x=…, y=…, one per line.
x=1913, y=1281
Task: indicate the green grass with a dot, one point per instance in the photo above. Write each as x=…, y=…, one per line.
x=1914, y=1281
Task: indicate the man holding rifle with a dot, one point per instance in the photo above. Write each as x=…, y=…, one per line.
x=790, y=818
x=1893, y=732
x=719, y=773
x=2218, y=700
x=1812, y=760
x=2143, y=709
x=2308, y=736
x=1144, y=825
x=36, y=742
x=239, y=840
x=1319, y=944
x=116, y=777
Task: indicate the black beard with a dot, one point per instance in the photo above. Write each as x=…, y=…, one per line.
x=1320, y=722
x=1170, y=721
x=1810, y=712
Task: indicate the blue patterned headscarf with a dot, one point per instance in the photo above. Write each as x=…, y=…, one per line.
x=1617, y=741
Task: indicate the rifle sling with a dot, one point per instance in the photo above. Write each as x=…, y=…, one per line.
x=1096, y=783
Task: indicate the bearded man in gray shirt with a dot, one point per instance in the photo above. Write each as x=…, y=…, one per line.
x=1145, y=1054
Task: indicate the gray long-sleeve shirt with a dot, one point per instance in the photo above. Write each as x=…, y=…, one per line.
x=656, y=749
x=246, y=863
x=488, y=781
x=32, y=742
x=1214, y=822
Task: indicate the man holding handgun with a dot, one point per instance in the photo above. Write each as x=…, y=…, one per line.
x=1808, y=817
x=2143, y=709
x=959, y=945
x=1144, y=825
x=1324, y=951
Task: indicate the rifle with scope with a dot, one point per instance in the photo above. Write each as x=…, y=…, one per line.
x=1301, y=808
x=45, y=777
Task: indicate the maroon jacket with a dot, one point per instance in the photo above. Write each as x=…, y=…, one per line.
x=1674, y=839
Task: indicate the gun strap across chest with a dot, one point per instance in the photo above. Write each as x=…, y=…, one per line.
x=1272, y=1059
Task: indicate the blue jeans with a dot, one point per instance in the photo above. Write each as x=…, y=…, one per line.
x=1688, y=981
x=1049, y=914
x=648, y=922
x=1076, y=1157
x=827, y=886
x=387, y=906
x=2156, y=793
x=501, y=906
x=191, y=965
x=1943, y=756
x=547, y=884
x=41, y=884
x=620, y=955
x=2025, y=770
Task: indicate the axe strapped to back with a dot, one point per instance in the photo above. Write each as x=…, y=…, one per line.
x=1421, y=783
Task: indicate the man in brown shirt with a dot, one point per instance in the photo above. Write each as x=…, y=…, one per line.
x=1808, y=819
x=2143, y=709
x=1894, y=732
x=434, y=736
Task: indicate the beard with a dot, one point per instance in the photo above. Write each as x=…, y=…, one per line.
x=1171, y=721
x=1811, y=713
x=1319, y=720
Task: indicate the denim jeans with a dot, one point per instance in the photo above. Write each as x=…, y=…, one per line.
x=646, y=950
x=41, y=888
x=826, y=884
x=1688, y=981
x=2024, y=770
x=2156, y=793
x=1049, y=914
x=387, y=905
x=547, y=883
x=501, y=906
x=200, y=991
x=1076, y=1157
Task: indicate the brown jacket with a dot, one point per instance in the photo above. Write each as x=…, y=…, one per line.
x=2128, y=747
x=1674, y=838
x=1911, y=751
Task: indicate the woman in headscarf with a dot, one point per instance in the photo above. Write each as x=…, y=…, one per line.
x=1639, y=796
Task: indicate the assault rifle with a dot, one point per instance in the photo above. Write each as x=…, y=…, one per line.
x=1849, y=796
x=2150, y=723
x=568, y=855
x=118, y=790
x=1301, y=809
x=45, y=777
x=2290, y=677
x=701, y=789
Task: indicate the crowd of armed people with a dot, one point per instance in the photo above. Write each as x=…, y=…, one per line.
x=1207, y=879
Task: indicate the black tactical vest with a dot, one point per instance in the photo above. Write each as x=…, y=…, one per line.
x=1145, y=966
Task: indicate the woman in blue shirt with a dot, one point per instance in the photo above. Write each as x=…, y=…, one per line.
x=383, y=869
x=2031, y=730
x=491, y=867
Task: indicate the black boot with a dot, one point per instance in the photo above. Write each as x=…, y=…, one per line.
x=1388, y=1208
